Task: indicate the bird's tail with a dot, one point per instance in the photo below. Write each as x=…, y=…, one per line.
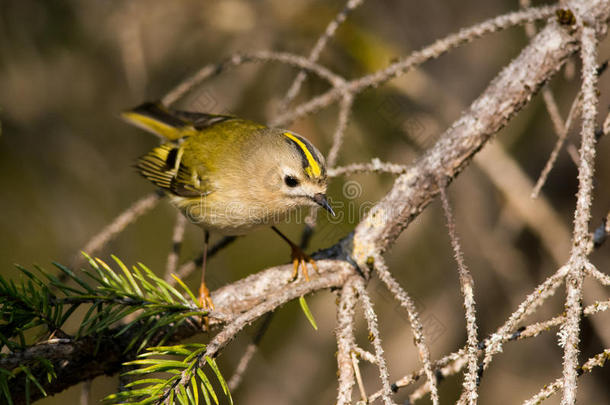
x=158, y=119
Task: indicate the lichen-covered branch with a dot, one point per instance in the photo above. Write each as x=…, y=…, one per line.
x=345, y=341
x=578, y=259
x=467, y=286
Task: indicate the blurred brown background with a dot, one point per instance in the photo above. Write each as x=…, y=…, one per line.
x=68, y=68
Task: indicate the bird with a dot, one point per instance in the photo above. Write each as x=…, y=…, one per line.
x=230, y=175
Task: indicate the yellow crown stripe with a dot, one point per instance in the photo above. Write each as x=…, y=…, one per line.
x=314, y=167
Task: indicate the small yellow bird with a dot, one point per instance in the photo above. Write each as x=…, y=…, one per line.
x=229, y=175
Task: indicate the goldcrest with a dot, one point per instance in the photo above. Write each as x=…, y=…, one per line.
x=226, y=174
x=229, y=175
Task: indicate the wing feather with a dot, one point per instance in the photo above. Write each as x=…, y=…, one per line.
x=163, y=166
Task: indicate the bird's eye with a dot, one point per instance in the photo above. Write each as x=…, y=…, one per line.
x=291, y=181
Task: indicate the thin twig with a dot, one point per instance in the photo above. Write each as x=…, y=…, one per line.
x=376, y=166
x=535, y=329
x=251, y=350
x=416, y=326
x=371, y=319
x=598, y=275
x=359, y=381
x=174, y=253
x=345, y=108
x=549, y=389
x=582, y=215
x=467, y=287
x=540, y=294
x=345, y=341
x=293, y=91
x=562, y=136
x=364, y=355
x=416, y=375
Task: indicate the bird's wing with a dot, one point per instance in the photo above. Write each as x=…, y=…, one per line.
x=164, y=167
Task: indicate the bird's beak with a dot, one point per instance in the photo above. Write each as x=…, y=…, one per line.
x=321, y=200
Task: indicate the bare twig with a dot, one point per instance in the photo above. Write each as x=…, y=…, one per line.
x=317, y=49
x=371, y=319
x=376, y=166
x=601, y=277
x=174, y=253
x=364, y=355
x=467, y=287
x=251, y=350
x=562, y=136
x=345, y=108
x=359, y=381
x=535, y=329
x=549, y=389
x=418, y=330
x=578, y=259
x=447, y=362
x=345, y=341
x=540, y=294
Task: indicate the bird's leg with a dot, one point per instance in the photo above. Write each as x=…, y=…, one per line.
x=299, y=258
x=205, y=301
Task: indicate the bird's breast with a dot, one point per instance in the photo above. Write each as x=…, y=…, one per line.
x=229, y=216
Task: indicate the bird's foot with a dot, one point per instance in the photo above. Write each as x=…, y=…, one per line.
x=205, y=303
x=300, y=259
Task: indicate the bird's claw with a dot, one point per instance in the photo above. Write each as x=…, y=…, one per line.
x=300, y=259
x=205, y=303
